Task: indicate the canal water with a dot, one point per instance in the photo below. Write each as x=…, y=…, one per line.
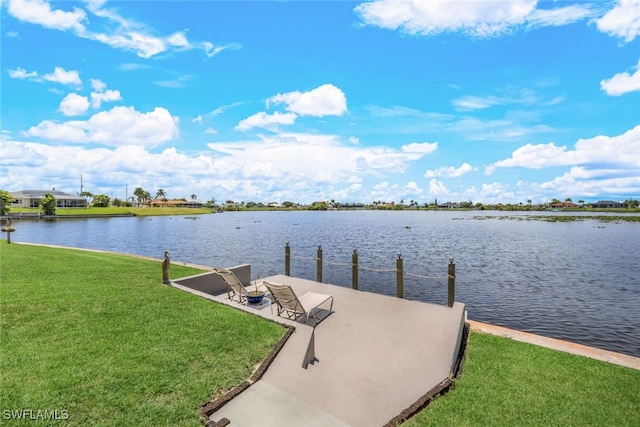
x=578, y=281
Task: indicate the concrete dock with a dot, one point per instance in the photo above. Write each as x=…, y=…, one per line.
x=364, y=363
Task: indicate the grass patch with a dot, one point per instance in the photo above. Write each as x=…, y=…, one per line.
x=158, y=211
x=99, y=335
x=506, y=382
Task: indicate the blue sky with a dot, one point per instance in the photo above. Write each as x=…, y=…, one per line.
x=386, y=100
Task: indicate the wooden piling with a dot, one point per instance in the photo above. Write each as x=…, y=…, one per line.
x=287, y=260
x=452, y=283
x=319, y=265
x=354, y=269
x=399, y=277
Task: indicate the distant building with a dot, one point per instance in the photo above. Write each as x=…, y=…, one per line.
x=606, y=204
x=175, y=203
x=449, y=205
x=32, y=198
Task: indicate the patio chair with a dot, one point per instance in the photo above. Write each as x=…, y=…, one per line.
x=235, y=288
x=293, y=306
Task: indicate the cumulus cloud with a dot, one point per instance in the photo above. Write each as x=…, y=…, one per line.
x=325, y=100
x=40, y=12
x=118, y=126
x=122, y=33
x=449, y=171
x=481, y=18
x=62, y=76
x=622, y=21
x=265, y=120
x=621, y=151
x=74, y=105
x=97, y=98
x=622, y=83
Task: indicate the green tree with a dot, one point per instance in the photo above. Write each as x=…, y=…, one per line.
x=5, y=200
x=141, y=195
x=161, y=194
x=48, y=204
x=194, y=197
x=101, y=201
x=86, y=195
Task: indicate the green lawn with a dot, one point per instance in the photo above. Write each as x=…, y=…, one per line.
x=121, y=211
x=99, y=336
x=510, y=383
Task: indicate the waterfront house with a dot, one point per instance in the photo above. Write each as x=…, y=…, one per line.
x=607, y=204
x=32, y=198
x=174, y=203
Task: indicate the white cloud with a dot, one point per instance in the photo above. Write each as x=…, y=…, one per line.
x=622, y=83
x=621, y=151
x=622, y=21
x=98, y=85
x=74, y=105
x=449, y=171
x=40, y=12
x=118, y=126
x=62, y=76
x=265, y=120
x=211, y=131
x=559, y=16
x=437, y=189
x=198, y=119
x=420, y=148
x=97, y=98
x=122, y=33
x=467, y=103
x=21, y=73
x=325, y=100
x=480, y=18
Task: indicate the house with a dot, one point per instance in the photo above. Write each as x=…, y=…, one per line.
x=448, y=205
x=604, y=204
x=32, y=198
x=174, y=203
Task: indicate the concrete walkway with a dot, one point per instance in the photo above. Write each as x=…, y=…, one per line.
x=375, y=356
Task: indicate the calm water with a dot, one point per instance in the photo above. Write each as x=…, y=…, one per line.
x=578, y=281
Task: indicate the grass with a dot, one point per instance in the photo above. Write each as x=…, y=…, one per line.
x=99, y=336
x=510, y=383
x=121, y=211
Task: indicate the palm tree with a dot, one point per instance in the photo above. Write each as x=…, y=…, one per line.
x=161, y=194
x=194, y=197
x=141, y=195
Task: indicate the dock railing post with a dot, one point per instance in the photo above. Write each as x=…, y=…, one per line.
x=452, y=283
x=399, y=277
x=354, y=269
x=287, y=260
x=319, y=265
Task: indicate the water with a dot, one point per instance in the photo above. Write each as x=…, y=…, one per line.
x=578, y=281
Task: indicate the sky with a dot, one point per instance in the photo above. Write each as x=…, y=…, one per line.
x=352, y=101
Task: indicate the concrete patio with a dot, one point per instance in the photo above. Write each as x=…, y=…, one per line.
x=366, y=362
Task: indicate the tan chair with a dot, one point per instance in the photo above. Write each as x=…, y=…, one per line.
x=235, y=288
x=293, y=306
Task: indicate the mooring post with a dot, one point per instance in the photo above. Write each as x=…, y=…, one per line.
x=399, y=277
x=452, y=283
x=287, y=259
x=354, y=269
x=319, y=265
x=165, y=268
